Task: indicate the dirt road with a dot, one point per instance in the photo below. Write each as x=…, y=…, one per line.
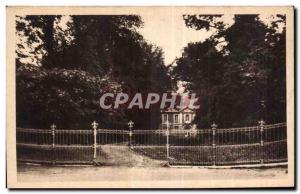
x=43, y=173
x=124, y=156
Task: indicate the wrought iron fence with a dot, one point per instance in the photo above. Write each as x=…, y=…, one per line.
x=205, y=147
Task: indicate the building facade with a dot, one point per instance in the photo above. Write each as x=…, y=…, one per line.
x=177, y=119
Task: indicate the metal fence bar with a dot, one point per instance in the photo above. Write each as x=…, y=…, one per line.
x=261, y=127
x=94, y=126
x=53, y=142
x=214, y=127
x=167, y=143
x=130, y=124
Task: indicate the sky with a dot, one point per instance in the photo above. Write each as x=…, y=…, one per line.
x=170, y=33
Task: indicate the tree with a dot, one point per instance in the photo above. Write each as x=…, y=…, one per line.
x=243, y=88
x=276, y=91
x=202, y=74
x=118, y=48
x=92, y=56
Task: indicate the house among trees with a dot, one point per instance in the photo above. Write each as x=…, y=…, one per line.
x=177, y=119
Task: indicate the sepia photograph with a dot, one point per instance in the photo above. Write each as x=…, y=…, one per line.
x=150, y=97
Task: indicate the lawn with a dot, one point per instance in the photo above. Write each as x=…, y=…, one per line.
x=121, y=154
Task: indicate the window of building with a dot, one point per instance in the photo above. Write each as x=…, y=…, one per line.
x=165, y=118
x=187, y=117
x=176, y=119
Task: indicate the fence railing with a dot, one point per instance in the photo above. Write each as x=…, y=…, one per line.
x=207, y=147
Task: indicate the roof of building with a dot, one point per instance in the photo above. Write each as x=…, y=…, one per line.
x=176, y=110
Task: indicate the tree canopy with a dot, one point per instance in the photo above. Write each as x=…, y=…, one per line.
x=74, y=66
x=239, y=72
x=65, y=63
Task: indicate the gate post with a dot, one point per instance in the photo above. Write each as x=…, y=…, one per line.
x=214, y=127
x=167, y=145
x=53, y=142
x=130, y=125
x=261, y=129
x=95, y=125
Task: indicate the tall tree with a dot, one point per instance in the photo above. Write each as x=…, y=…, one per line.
x=101, y=54
x=244, y=89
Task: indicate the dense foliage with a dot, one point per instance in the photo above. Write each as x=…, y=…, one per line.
x=239, y=72
x=90, y=56
x=62, y=70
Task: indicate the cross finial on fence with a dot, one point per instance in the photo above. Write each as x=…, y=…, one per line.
x=53, y=127
x=94, y=125
x=261, y=122
x=130, y=124
x=214, y=125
